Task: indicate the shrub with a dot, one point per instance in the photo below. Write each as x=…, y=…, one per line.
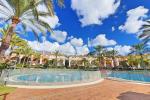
x=2, y=66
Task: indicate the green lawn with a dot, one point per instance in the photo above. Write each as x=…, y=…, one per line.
x=4, y=89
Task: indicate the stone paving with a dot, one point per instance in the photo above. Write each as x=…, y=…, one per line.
x=106, y=90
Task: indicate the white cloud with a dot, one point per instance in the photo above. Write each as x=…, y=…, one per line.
x=83, y=50
x=135, y=20
x=52, y=21
x=70, y=37
x=67, y=49
x=122, y=50
x=59, y=36
x=94, y=11
x=102, y=40
x=113, y=29
x=45, y=46
x=76, y=42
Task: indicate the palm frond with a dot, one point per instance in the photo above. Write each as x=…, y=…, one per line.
x=46, y=25
x=19, y=6
x=49, y=5
x=145, y=36
x=5, y=3
x=61, y=3
x=39, y=26
x=4, y=13
x=146, y=26
x=146, y=39
x=33, y=28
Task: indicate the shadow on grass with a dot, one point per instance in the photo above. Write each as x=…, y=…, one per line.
x=3, y=96
x=133, y=96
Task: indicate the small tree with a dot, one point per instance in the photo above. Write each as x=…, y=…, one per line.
x=139, y=49
x=2, y=66
x=99, y=52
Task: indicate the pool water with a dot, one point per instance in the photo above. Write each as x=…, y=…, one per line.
x=142, y=76
x=59, y=77
x=71, y=77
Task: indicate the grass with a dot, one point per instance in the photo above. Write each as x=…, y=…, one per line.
x=4, y=89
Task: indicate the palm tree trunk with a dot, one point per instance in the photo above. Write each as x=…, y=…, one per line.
x=1, y=72
x=28, y=60
x=6, y=42
x=31, y=61
x=142, y=61
x=56, y=60
x=23, y=62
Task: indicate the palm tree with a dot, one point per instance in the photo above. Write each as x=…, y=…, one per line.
x=27, y=14
x=56, y=57
x=99, y=51
x=145, y=36
x=111, y=53
x=138, y=49
x=35, y=55
x=85, y=63
x=16, y=41
x=26, y=51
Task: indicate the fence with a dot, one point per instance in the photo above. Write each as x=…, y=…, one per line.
x=36, y=76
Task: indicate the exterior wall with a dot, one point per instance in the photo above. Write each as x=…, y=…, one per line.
x=80, y=59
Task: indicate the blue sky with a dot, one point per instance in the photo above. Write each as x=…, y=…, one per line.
x=70, y=23
x=87, y=23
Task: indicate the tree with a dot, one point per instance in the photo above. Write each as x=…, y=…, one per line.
x=145, y=36
x=85, y=63
x=15, y=42
x=2, y=66
x=26, y=51
x=27, y=14
x=56, y=57
x=111, y=53
x=138, y=49
x=99, y=51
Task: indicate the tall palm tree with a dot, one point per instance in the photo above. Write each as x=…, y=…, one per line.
x=111, y=53
x=16, y=41
x=56, y=57
x=99, y=51
x=36, y=55
x=27, y=14
x=138, y=49
x=26, y=51
x=145, y=36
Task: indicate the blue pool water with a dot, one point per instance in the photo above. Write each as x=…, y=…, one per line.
x=143, y=76
x=59, y=77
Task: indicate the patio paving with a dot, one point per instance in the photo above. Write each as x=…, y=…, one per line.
x=106, y=90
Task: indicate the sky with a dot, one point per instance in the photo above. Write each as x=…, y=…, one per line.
x=83, y=24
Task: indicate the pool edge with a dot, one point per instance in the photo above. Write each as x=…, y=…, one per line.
x=128, y=81
x=56, y=86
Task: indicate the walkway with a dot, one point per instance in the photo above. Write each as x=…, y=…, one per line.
x=107, y=90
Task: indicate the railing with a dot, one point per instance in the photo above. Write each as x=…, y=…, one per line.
x=7, y=75
x=142, y=76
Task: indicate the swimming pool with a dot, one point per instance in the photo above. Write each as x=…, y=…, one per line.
x=138, y=76
x=54, y=78
x=41, y=78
